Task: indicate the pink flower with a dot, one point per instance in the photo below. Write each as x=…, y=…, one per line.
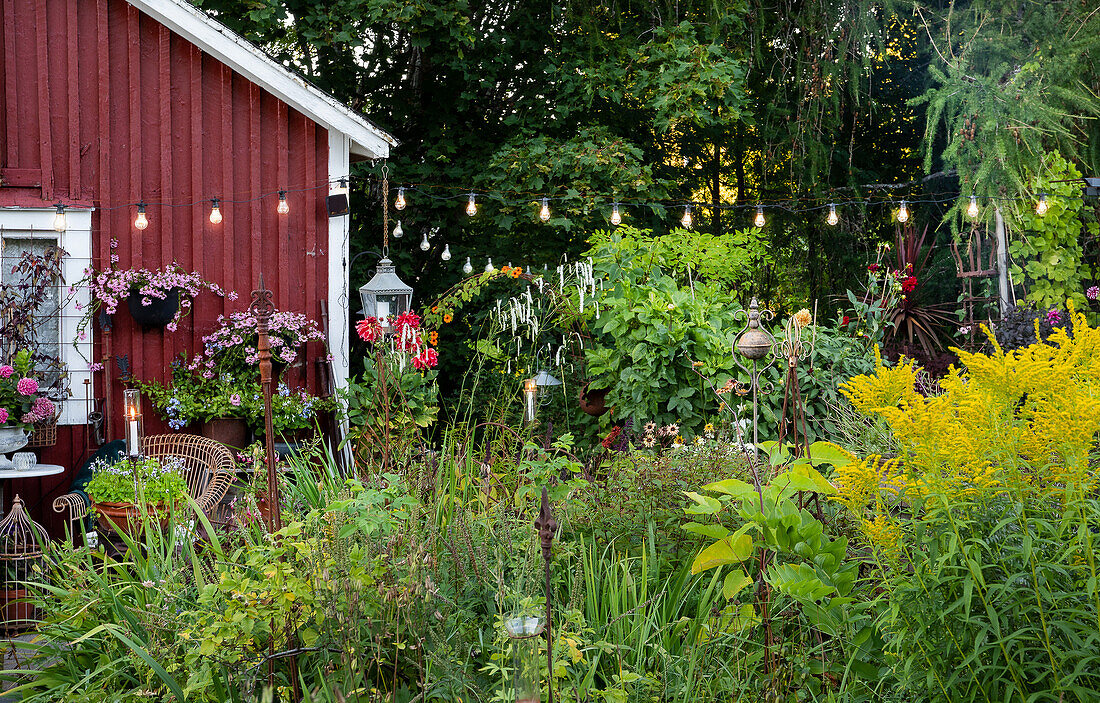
x=235, y=400
x=27, y=386
x=6, y=371
x=3, y=415
x=208, y=374
x=1093, y=293
x=369, y=330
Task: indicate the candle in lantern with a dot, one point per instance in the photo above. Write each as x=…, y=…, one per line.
x=530, y=397
x=383, y=311
x=131, y=408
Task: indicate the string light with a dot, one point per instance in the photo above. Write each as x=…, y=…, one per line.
x=972, y=209
x=398, y=233
x=1041, y=206
x=685, y=221
x=399, y=204
x=215, y=212
x=616, y=218
x=489, y=266
x=283, y=207
x=424, y=245
x=903, y=212
x=833, y=218
x=467, y=268
x=60, y=222
x=759, y=219
x=446, y=255
x=471, y=206
x=141, y=221
x=544, y=213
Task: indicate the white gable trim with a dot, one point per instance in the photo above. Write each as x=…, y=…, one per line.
x=235, y=51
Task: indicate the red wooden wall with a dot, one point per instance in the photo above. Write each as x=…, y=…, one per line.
x=102, y=106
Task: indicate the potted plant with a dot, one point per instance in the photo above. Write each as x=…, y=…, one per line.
x=121, y=493
x=21, y=404
x=156, y=298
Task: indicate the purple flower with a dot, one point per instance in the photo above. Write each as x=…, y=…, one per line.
x=27, y=386
x=6, y=371
x=1054, y=317
x=3, y=415
x=1093, y=293
x=235, y=400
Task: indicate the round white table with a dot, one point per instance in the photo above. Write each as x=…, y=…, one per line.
x=36, y=471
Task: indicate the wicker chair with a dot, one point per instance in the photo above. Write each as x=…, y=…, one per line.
x=210, y=471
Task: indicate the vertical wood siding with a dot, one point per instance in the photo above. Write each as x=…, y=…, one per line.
x=100, y=105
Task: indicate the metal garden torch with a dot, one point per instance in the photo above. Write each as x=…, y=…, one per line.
x=530, y=400
x=131, y=410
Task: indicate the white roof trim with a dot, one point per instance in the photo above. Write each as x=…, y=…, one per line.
x=242, y=56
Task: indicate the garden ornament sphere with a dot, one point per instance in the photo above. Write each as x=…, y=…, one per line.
x=754, y=343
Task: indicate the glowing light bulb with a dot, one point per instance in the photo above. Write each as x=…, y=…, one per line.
x=60, y=222
x=833, y=218
x=471, y=206
x=398, y=233
x=215, y=212
x=141, y=221
x=616, y=218
x=446, y=255
x=903, y=212
x=544, y=212
x=685, y=221
x=399, y=204
x=972, y=209
x=283, y=207
x=489, y=266
x=424, y=245
x=1041, y=206
x=759, y=219
x=467, y=268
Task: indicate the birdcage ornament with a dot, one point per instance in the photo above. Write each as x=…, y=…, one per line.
x=21, y=541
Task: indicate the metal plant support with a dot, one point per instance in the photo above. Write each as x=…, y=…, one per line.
x=792, y=347
x=546, y=526
x=757, y=345
x=262, y=308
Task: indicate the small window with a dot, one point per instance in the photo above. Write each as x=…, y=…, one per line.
x=64, y=357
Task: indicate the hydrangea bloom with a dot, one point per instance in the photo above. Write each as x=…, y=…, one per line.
x=42, y=409
x=6, y=371
x=27, y=386
x=3, y=415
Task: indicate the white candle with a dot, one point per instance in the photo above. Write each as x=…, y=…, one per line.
x=383, y=310
x=133, y=441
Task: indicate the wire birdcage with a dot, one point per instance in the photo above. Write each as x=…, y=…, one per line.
x=21, y=542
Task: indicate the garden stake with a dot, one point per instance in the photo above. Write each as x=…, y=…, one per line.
x=261, y=308
x=546, y=526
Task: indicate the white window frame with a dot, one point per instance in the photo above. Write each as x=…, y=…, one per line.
x=76, y=240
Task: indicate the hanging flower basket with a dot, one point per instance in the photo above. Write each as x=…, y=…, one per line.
x=44, y=432
x=149, y=311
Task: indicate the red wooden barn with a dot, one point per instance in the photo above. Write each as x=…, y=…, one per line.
x=106, y=103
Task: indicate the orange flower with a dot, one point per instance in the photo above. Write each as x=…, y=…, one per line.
x=435, y=308
x=516, y=272
x=447, y=317
x=505, y=269
x=433, y=338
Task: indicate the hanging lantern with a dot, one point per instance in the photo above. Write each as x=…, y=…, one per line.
x=131, y=410
x=545, y=382
x=530, y=400
x=385, y=296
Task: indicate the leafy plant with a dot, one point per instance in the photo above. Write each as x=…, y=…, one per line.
x=136, y=480
x=21, y=405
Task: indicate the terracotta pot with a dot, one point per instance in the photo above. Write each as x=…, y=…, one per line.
x=16, y=609
x=126, y=517
x=158, y=313
x=230, y=431
x=593, y=401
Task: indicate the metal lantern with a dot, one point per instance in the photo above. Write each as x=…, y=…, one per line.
x=131, y=409
x=21, y=541
x=530, y=400
x=385, y=296
x=524, y=631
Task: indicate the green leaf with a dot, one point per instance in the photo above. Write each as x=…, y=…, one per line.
x=735, y=582
x=731, y=550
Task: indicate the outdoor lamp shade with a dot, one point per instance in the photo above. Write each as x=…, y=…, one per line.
x=545, y=381
x=131, y=410
x=385, y=296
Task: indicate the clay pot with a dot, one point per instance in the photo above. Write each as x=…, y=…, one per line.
x=593, y=401
x=126, y=517
x=17, y=611
x=230, y=431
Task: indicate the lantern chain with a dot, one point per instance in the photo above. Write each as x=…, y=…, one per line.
x=385, y=210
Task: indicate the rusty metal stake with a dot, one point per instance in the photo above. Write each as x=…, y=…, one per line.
x=546, y=526
x=262, y=308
